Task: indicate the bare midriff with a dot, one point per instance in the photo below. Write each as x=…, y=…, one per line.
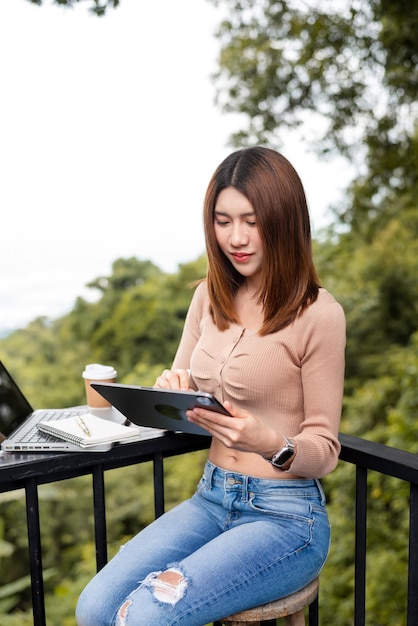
x=247, y=463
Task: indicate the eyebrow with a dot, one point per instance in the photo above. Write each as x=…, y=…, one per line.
x=225, y=214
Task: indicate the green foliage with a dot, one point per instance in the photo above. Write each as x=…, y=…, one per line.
x=95, y=6
x=380, y=403
x=378, y=288
x=350, y=65
x=353, y=68
x=135, y=325
x=387, y=525
x=372, y=270
x=349, y=74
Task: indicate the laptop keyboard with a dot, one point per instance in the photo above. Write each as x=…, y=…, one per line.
x=30, y=433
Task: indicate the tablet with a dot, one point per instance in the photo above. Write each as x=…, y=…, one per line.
x=159, y=408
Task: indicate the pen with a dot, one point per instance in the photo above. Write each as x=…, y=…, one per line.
x=82, y=425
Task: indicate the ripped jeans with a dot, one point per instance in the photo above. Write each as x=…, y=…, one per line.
x=238, y=542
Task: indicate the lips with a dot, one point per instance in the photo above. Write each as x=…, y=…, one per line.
x=241, y=257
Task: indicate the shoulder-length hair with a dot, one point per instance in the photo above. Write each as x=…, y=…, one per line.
x=289, y=281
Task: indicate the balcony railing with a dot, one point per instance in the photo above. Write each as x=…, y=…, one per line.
x=30, y=471
x=367, y=455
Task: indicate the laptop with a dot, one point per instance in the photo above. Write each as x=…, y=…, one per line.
x=159, y=408
x=18, y=422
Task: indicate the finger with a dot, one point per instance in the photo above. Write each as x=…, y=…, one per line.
x=168, y=380
x=209, y=420
x=161, y=383
x=183, y=378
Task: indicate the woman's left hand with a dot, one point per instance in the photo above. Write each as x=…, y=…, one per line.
x=242, y=431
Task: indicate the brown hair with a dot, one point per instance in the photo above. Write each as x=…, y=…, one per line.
x=289, y=279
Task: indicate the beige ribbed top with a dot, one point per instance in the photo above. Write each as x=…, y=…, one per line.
x=293, y=379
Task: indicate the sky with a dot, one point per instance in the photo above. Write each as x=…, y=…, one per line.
x=109, y=134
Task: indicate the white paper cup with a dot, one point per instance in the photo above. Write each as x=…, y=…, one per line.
x=97, y=373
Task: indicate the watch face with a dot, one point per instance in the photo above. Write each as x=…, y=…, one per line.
x=283, y=457
x=287, y=454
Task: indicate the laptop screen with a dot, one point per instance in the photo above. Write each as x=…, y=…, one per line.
x=14, y=408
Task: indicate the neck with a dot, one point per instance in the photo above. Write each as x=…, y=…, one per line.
x=250, y=289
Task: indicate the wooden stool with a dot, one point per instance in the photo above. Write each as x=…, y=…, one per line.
x=291, y=608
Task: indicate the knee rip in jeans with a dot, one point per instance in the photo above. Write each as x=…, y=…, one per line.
x=168, y=587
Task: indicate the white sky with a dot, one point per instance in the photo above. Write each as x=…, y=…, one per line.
x=108, y=137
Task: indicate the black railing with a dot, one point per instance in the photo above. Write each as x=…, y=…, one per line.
x=30, y=471
x=367, y=455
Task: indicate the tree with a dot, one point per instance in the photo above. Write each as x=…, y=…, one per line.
x=347, y=74
x=352, y=66
x=96, y=6
x=353, y=69
x=137, y=320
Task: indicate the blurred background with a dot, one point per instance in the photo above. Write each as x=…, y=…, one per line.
x=109, y=136
x=111, y=128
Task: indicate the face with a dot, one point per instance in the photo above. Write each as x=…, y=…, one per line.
x=237, y=233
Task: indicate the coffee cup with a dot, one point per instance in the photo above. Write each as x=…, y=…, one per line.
x=97, y=373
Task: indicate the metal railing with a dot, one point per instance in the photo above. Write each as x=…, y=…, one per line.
x=28, y=471
x=369, y=456
x=17, y=471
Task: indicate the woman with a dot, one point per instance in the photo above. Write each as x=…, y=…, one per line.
x=267, y=341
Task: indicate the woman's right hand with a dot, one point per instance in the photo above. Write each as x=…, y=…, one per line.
x=174, y=379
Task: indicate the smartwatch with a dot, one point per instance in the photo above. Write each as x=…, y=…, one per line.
x=280, y=457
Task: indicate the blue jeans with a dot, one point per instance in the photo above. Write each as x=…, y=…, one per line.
x=238, y=542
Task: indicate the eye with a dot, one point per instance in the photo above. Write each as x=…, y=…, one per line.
x=252, y=223
x=221, y=222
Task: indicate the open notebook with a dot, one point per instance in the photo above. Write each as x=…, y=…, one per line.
x=88, y=430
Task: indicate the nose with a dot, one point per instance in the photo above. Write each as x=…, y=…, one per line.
x=239, y=235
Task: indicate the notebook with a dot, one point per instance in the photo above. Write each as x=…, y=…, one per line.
x=88, y=430
x=158, y=408
x=18, y=422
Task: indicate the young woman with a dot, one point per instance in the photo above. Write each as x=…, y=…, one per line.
x=267, y=341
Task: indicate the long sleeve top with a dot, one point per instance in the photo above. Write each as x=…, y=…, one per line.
x=291, y=379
